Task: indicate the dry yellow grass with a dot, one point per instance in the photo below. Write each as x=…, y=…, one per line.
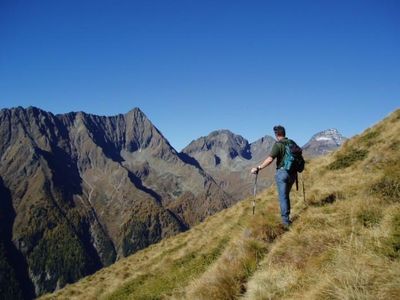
x=156, y=262
x=344, y=243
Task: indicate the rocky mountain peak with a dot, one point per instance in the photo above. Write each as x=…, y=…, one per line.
x=330, y=134
x=323, y=142
x=136, y=113
x=141, y=133
x=228, y=157
x=221, y=143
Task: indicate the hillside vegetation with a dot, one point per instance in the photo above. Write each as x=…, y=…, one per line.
x=344, y=242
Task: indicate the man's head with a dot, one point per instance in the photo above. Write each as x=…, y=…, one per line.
x=279, y=131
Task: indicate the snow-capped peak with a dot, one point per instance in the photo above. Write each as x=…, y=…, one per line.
x=324, y=142
x=332, y=135
x=323, y=138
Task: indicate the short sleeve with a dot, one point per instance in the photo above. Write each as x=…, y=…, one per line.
x=274, y=151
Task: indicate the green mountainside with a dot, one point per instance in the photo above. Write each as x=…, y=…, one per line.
x=344, y=242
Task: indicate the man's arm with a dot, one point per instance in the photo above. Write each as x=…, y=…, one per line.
x=264, y=164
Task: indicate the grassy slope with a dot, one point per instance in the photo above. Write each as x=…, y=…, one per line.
x=345, y=241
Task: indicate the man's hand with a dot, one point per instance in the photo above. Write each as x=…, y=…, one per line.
x=266, y=163
x=255, y=170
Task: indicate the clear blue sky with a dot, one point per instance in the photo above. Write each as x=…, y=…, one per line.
x=197, y=66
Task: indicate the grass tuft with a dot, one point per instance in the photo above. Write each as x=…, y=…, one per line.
x=369, y=217
x=346, y=160
x=395, y=146
x=370, y=137
x=392, y=243
x=388, y=186
x=316, y=198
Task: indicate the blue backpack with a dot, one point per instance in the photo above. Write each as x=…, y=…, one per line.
x=293, y=160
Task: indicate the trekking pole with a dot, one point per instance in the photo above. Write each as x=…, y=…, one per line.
x=254, y=193
x=304, y=191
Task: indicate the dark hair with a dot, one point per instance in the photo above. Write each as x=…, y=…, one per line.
x=279, y=130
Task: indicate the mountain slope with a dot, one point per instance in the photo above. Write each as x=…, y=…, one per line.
x=344, y=242
x=80, y=191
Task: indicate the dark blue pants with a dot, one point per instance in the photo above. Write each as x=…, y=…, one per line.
x=284, y=182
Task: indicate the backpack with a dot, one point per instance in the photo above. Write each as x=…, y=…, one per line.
x=293, y=160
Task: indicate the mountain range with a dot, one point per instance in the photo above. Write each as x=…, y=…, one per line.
x=79, y=191
x=344, y=242
x=225, y=155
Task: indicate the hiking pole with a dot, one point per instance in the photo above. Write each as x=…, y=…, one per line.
x=304, y=191
x=254, y=193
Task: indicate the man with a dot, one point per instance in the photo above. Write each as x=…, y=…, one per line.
x=284, y=179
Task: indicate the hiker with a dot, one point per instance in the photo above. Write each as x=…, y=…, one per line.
x=286, y=173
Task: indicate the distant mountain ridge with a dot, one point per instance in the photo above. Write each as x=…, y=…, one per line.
x=228, y=157
x=79, y=191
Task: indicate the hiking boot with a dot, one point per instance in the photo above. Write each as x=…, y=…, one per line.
x=286, y=226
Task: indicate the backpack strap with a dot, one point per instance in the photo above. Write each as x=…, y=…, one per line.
x=286, y=142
